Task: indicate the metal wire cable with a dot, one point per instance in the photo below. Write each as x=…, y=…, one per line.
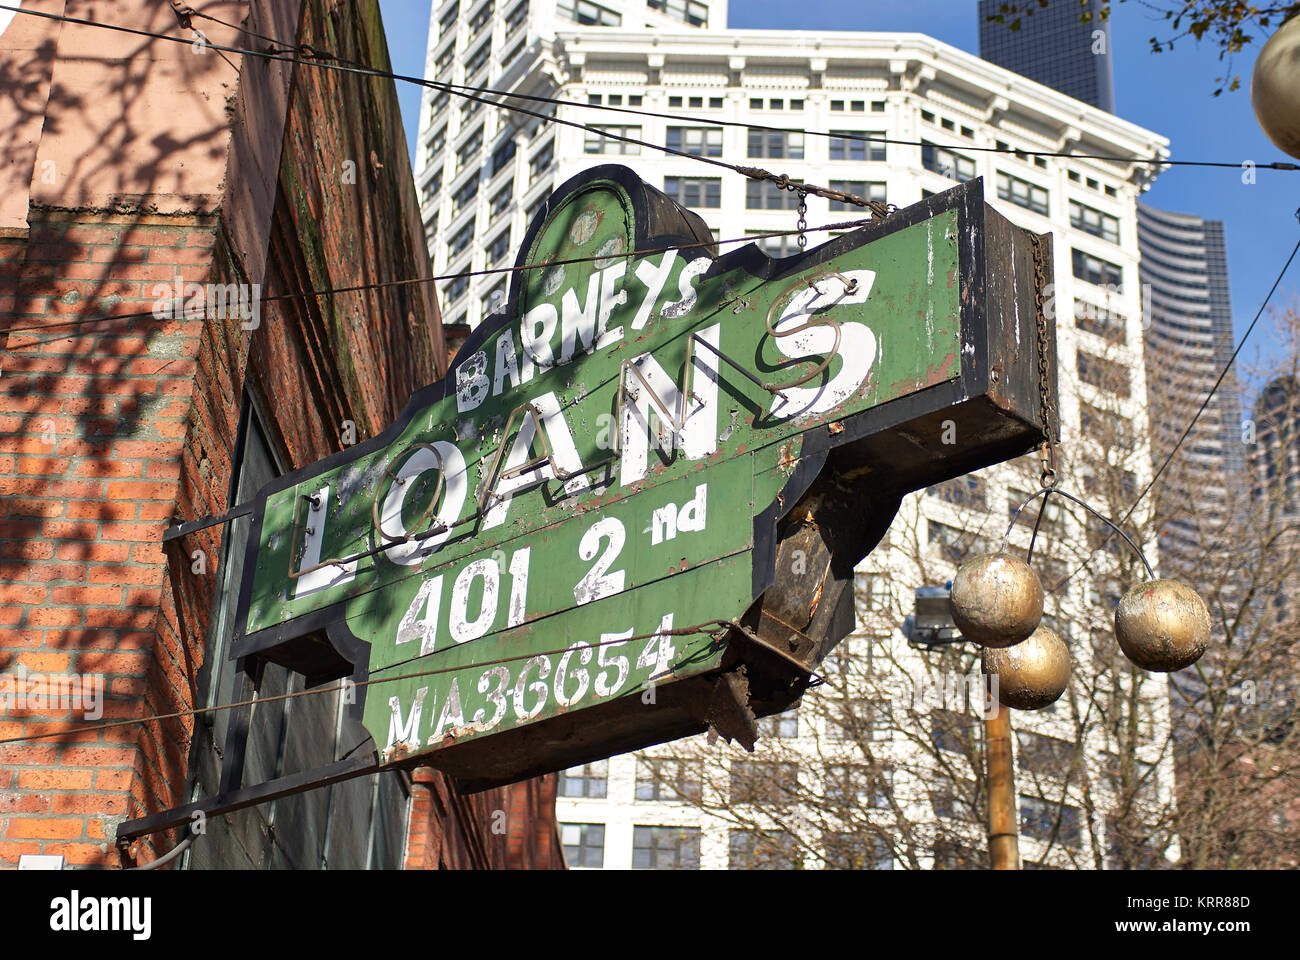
x=487, y=271
x=348, y=685
x=327, y=60
x=1192, y=423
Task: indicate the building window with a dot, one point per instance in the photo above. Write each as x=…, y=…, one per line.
x=964, y=491
x=374, y=838
x=437, y=140
x=462, y=239
x=951, y=543
x=867, y=189
x=590, y=14
x=516, y=17
x=950, y=855
x=1043, y=755
x=1094, y=221
x=433, y=188
x=480, y=19
x=775, y=144
x=763, y=850
x=667, y=778
x=948, y=803
x=759, y=781
x=852, y=851
x=697, y=141
x=766, y=195
x=502, y=156
x=1099, y=321
x=1052, y=518
x=437, y=104
x=443, y=63
x=665, y=848
x=465, y=195
x=498, y=247
x=1096, y=270
x=596, y=143
x=468, y=109
x=588, y=780
x=775, y=247
x=685, y=11
x=501, y=201
x=950, y=730
x=447, y=22
x=1043, y=820
x=455, y=288
x=1102, y=425
x=469, y=150
x=875, y=590
x=1022, y=193
x=542, y=160
x=857, y=145
x=479, y=58
x=1104, y=374
x=584, y=844
x=857, y=784
x=695, y=192
x=947, y=163
x=782, y=725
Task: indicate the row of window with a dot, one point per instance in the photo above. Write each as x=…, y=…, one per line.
x=705, y=193
x=851, y=145
x=481, y=19
x=678, y=848
x=675, y=779
x=677, y=101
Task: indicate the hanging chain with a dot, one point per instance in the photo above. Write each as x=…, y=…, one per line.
x=802, y=225
x=1046, y=449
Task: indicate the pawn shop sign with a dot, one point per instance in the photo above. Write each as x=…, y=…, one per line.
x=631, y=511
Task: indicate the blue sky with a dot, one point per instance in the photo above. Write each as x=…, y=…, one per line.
x=1169, y=93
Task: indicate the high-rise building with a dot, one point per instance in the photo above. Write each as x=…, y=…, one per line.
x=1055, y=46
x=1276, y=453
x=1184, y=272
x=948, y=116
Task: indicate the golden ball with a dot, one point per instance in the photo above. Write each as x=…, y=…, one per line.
x=1275, y=87
x=997, y=600
x=1162, y=625
x=1031, y=674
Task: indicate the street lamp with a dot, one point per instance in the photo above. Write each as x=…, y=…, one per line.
x=1275, y=87
x=932, y=624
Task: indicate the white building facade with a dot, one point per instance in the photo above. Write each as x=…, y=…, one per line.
x=483, y=171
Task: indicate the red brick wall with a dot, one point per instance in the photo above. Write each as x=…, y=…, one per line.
x=80, y=555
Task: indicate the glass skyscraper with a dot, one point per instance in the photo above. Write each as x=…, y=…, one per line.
x=1054, y=47
x=1184, y=272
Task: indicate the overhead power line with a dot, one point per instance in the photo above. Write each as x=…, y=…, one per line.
x=1155, y=477
x=486, y=271
x=327, y=60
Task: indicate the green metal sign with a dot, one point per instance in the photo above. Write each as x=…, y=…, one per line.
x=586, y=514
